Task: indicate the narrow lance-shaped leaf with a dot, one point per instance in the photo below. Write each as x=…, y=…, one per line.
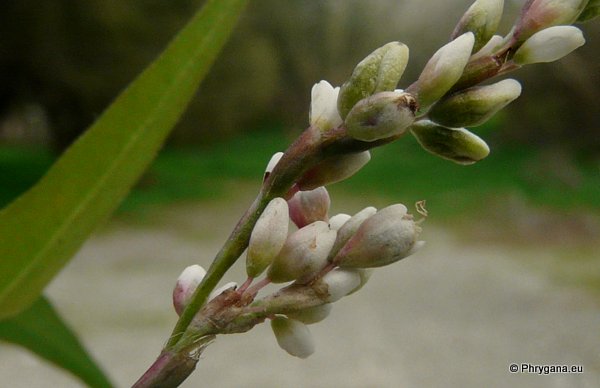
x=41, y=230
x=41, y=330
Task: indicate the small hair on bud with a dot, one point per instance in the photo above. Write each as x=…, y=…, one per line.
x=455, y=144
x=293, y=336
x=549, y=45
x=382, y=239
x=309, y=206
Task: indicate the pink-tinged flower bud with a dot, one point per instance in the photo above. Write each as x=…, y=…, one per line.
x=340, y=282
x=350, y=227
x=474, y=106
x=443, y=70
x=323, y=106
x=455, y=144
x=540, y=14
x=311, y=315
x=268, y=236
x=293, y=337
x=382, y=239
x=549, y=45
x=333, y=169
x=272, y=163
x=218, y=291
x=304, y=253
x=307, y=207
x=381, y=115
x=186, y=284
x=380, y=71
x=337, y=221
x=482, y=19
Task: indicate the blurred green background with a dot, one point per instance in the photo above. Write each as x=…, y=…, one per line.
x=62, y=61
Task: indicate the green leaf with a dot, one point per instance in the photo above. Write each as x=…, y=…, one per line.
x=41, y=230
x=41, y=330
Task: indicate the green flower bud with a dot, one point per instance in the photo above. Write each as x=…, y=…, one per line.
x=293, y=337
x=443, y=70
x=381, y=115
x=549, y=45
x=340, y=282
x=540, y=14
x=268, y=237
x=378, y=72
x=350, y=227
x=482, y=19
x=333, y=169
x=489, y=48
x=384, y=238
x=307, y=207
x=474, y=106
x=311, y=315
x=591, y=11
x=304, y=253
x=337, y=221
x=455, y=144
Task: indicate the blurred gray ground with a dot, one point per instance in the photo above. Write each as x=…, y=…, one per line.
x=455, y=315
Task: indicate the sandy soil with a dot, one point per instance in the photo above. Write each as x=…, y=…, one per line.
x=454, y=315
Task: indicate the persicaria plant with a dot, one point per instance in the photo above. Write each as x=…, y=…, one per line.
x=318, y=258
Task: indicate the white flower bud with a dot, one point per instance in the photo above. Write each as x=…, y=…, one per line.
x=272, y=163
x=340, y=282
x=218, y=291
x=540, y=14
x=443, y=70
x=455, y=144
x=365, y=274
x=337, y=221
x=350, y=227
x=186, y=284
x=293, y=337
x=323, y=106
x=489, y=48
x=379, y=71
x=382, y=239
x=482, y=19
x=549, y=45
x=381, y=115
x=304, y=253
x=307, y=207
x=312, y=314
x=334, y=169
x=268, y=236
x=474, y=106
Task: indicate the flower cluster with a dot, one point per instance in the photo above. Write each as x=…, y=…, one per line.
x=288, y=232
